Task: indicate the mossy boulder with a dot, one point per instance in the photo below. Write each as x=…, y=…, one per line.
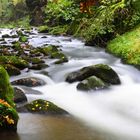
x=48, y=50
x=29, y=82
x=59, y=55
x=23, y=39
x=38, y=66
x=43, y=106
x=12, y=70
x=51, y=51
x=8, y=114
x=15, y=61
x=43, y=29
x=102, y=71
x=91, y=83
x=37, y=60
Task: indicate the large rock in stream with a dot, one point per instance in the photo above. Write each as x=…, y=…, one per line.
x=40, y=106
x=19, y=96
x=29, y=82
x=91, y=83
x=102, y=71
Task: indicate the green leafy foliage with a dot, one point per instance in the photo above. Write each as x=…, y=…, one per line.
x=62, y=12
x=136, y=4
x=12, y=10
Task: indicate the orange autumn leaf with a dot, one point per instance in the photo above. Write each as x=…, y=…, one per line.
x=4, y=103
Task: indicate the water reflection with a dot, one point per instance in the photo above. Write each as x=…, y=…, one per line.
x=39, y=127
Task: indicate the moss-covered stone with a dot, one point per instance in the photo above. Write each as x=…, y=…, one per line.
x=91, y=83
x=62, y=60
x=23, y=39
x=12, y=70
x=38, y=66
x=43, y=29
x=104, y=72
x=15, y=61
x=37, y=60
x=43, y=106
x=48, y=50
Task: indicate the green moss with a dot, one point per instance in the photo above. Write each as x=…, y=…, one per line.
x=43, y=106
x=14, y=60
x=23, y=39
x=48, y=50
x=43, y=29
x=12, y=70
x=9, y=117
x=58, y=30
x=91, y=83
x=127, y=47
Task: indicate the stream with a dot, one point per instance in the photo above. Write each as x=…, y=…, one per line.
x=110, y=114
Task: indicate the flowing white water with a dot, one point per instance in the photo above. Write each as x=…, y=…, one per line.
x=115, y=110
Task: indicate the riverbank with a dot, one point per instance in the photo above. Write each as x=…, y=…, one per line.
x=127, y=47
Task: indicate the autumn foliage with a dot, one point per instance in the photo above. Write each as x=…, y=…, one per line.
x=85, y=5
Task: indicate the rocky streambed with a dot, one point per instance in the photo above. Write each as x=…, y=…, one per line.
x=65, y=83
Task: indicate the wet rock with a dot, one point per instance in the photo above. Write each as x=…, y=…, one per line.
x=1, y=39
x=102, y=71
x=19, y=96
x=11, y=69
x=29, y=82
x=3, y=43
x=44, y=107
x=62, y=60
x=6, y=36
x=38, y=66
x=29, y=90
x=44, y=73
x=36, y=60
x=91, y=83
x=59, y=55
x=44, y=37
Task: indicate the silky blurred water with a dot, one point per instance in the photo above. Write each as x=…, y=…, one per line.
x=112, y=112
